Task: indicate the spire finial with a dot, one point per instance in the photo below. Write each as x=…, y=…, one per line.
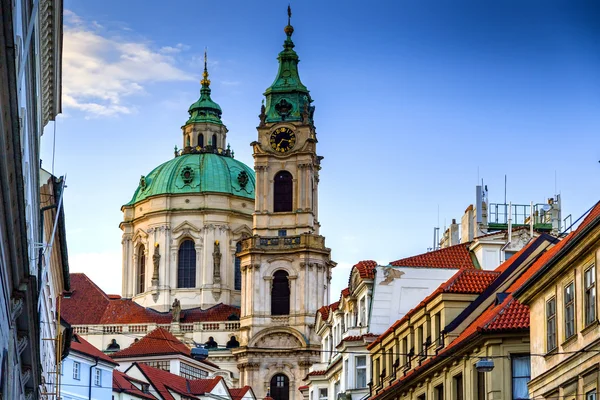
x=205, y=82
x=289, y=29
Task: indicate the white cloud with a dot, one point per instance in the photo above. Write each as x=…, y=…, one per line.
x=100, y=70
x=174, y=49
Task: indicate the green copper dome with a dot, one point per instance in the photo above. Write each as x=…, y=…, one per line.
x=205, y=109
x=197, y=173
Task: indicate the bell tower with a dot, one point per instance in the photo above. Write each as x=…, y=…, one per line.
x=285, y=265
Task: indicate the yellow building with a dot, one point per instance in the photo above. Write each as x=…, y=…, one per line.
x=435, y=350
x=564, y=317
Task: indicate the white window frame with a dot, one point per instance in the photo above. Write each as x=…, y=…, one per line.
x=589, y=295
x=76, y=370
x=360, y=368
x=322, y=393
x=97, y=377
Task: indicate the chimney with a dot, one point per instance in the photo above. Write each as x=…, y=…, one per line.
x=453, y=233
x=467, y=225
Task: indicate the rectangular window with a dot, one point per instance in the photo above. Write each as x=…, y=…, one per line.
x=404, y=351
x=346, y=368
x=323, y=394
x=569, y=300
x=521, y=374
x=390, y=366
x=590, y=295
x=481, y=395
x=458, y=387
x=438, y=392
x=97, y=377
x=422, y=397
x=420, y=340
x=591, y=395
x=76, y=370
x=551, y=341
x=190, y=372
x=361, y=371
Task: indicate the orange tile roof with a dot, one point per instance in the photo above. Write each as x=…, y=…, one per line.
x=366, y=269
x=82, y=346
x=324, y=311
x=334, y=306
x=239, y=393
x=457, y=256
x=89, y=305
x=158, y=342
x=123, y=383
x=302, y=388
x=346, y=292
x=509, y=315
x=317, y=373
x=164, y=382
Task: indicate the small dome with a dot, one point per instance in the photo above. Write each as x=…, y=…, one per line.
x=197, y=173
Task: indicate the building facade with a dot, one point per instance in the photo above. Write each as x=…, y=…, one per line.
x=563, y=302
x=286, y=267
x=86, y=373
x=187, y=217
x=30, y=96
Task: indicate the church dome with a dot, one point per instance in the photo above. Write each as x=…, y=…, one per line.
x=197, y=173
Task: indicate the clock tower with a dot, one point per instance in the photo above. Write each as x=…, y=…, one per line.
x=285, y=265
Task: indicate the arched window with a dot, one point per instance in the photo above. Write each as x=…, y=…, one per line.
x=280, y=294
x=141, y=283
x=282, y=192
x=279, y=389
x=237, y=271
x=187, y=140
x=214, y=141
x=201, y=140
x=186, y=265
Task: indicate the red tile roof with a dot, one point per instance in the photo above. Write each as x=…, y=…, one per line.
x=89, y=305
x=324, y=311
x=317, y=373
x=158, y=342
x=334, y=306
x=366, y=269
x=457, y=256
x=508, y=315
x=302, y=388
x=124, y=384
x=82, y=346
x=346, y=292
x=164, y=381
x=464, y=281
x=239, y=393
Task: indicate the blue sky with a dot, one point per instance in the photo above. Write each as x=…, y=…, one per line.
x=414, y=101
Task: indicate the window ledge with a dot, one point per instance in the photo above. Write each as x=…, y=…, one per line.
x=571, y=339
x=551, y=352
x=591, y=327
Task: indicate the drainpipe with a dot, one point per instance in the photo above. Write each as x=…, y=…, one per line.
x=90, y=387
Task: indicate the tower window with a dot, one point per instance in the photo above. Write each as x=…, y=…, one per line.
x=214, y=141
x=282, y=192
x=237, y=272
x=186, y=265
x=201, y=140
x=141, y=284
x=279, y=389
x=280, y=294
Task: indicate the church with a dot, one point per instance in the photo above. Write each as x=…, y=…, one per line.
x=217, y=252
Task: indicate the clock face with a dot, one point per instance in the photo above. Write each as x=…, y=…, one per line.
x=283, y=139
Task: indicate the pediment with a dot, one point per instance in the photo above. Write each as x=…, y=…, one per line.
x=140, y=236
x=244, y=231
x=186, y=226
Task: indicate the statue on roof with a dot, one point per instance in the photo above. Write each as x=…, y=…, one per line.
x=176, y=310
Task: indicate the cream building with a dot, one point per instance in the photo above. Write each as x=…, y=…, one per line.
x=563, y=302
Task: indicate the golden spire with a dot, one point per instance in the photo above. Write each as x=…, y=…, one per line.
x=205, y=81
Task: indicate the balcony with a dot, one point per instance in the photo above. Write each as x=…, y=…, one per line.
x=304, y=241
